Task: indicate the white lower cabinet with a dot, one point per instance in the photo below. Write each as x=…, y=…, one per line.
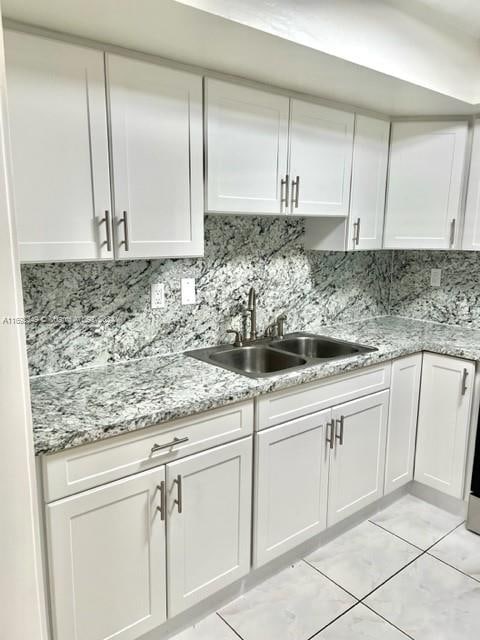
x=358, y=458
x=107, y=560
x=402, y=421
x=209, y=522
x=291, y=479
x=443, y=423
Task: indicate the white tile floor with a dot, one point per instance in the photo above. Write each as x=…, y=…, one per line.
x=412, y=571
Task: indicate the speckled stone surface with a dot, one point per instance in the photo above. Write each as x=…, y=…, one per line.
x=89, y=314
x=456, y=301
x=74, y=408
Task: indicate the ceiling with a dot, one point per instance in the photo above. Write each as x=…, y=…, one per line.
x=368, y=54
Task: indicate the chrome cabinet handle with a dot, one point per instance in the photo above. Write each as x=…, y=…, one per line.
x=285, y=188
x=296, y=191
x=356, y=232
x=172, y=443
x=108, y=229
x=339, y=437
x=452, y=232
x=179, y=500
x=330, y=438
x=126, y=239
x=464, y=382
x=163, y=500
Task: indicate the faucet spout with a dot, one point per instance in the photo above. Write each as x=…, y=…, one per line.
x=252, y=309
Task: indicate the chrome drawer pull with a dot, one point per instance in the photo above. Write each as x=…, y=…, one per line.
x=159, y=447
x=337, y=436
x=163, y=500
x=179, y=500
x=108, y=228
x=284, y=186
x=464, y=382
x=330, y=438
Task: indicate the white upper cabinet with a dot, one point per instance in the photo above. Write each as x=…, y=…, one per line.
x=369, y=178
x=426, y=172
x=321, y=141
x=471, y=233
x=247, y=140
x=58, y=124
x=267, y=154
x=157, y=158
x=444, y=423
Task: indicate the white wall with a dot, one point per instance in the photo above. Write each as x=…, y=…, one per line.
x=22, y=614
x=406, y=39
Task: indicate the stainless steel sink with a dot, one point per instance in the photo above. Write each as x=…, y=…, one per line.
x=268, y=356
x=256, y=359
x=319, y=347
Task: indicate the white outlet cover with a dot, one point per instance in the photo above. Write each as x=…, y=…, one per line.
x=188, y=291
x=435, y=277
x=157, y=295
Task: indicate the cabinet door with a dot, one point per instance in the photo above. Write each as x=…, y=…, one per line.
x=321, y=142
x=156, y=119
x=291, y=478
x=247, y=140
x=357, y=464
x=402, y=421
x=444, y=422
x=58, y=124
x=471, y=233
x=369, y=182
x=426, y=172
x=209, y=522
x=107, y=560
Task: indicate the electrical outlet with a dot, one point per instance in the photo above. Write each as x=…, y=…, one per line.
x=157, y=295
x=188, y=291
x=435, y=277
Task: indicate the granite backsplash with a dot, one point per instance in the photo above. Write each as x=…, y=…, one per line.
x=85, y=314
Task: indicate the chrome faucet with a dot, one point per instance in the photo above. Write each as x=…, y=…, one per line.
x=276, y=328
x=252, y=310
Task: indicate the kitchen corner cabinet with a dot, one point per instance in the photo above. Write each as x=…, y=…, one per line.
x=364, y=227
x=157, y=159
x=444, y=423
x=369, y=181
x=471, y=232
x=58, y=126
x=357, y=464
x=107, y=560
x=291, y=480
x=208, y=522
x=402, y=421
x=267, y=154
x=425, y=184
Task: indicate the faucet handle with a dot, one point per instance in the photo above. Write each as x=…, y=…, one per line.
x=238, y=337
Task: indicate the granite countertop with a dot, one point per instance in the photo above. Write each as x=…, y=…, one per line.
x=74, y=408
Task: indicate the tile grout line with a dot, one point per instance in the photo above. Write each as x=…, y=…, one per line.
x=397, y=536
x=317, y=633
x=229, y=626
x=467, y=575
x=386, y=620
x=330, y=579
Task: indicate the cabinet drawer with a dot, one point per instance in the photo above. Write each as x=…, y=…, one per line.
x=289, y=404
x=88, y=466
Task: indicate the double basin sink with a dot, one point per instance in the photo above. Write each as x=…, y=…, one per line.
x=268, y=356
